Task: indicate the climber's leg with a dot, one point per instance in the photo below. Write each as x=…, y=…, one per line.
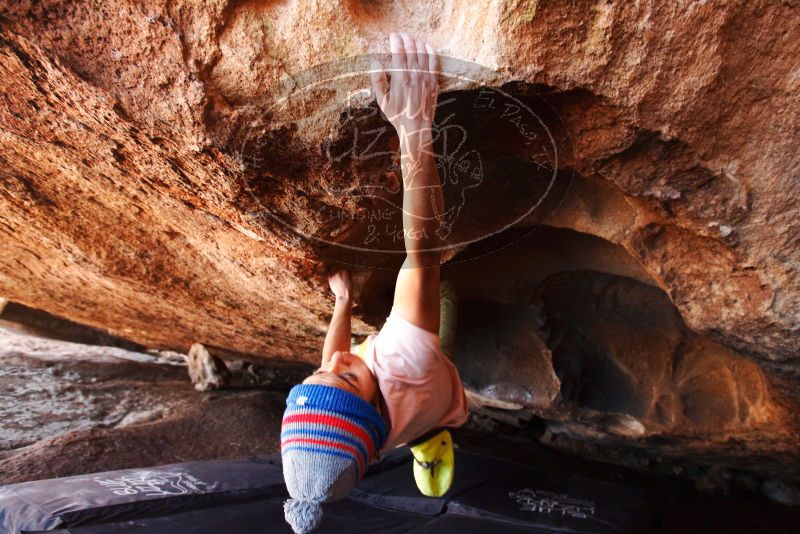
x=448, y=315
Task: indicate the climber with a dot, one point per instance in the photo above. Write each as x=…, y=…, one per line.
x=402, y=389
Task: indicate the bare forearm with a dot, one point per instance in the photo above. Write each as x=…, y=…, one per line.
x=338, y=336
x=423, y=203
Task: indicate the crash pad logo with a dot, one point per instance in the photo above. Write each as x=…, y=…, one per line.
x=495, y=148
x=154, y=484
x=545, y=502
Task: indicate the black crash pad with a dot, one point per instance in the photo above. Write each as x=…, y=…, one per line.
x=488, y=490
x=242, y=496
x=43, y=505
x=260, y=516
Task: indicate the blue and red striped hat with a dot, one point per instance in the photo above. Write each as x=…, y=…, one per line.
x=328, y=438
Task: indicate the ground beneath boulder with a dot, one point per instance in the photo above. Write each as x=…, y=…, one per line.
x=69, y=408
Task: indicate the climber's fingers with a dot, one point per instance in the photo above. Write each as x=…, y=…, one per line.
x=422, y=59
x=379, y=83
x=429, y=79
x=399, y=65
x=410, y=46
x=433, y=65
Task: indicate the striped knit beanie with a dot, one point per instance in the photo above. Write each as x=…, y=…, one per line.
x=328, y=437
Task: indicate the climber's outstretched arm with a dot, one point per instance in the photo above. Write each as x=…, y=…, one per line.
x=416, y=292
x=409, y=102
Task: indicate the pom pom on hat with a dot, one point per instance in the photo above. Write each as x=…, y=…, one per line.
x=302, y=515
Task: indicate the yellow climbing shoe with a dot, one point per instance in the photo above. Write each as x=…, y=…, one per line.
x=359, y=349
x=434, y=461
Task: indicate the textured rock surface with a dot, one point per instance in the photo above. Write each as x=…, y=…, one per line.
x=51, y=387
x=136, y=148
x=206, y=372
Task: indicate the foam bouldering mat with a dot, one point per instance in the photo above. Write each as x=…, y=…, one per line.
x=260, y=516
x=391, y=485
x=549, y=500
x=488, y=490
x=88, y=499
x=488, y=495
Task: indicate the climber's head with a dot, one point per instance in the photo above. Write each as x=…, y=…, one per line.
x=329, y=436
x=345, y=370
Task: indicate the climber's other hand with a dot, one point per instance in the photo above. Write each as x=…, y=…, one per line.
x=341, y=284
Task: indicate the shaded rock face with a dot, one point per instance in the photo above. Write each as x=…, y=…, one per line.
x=501, y=356
x=620, y=346
x=141, y=143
